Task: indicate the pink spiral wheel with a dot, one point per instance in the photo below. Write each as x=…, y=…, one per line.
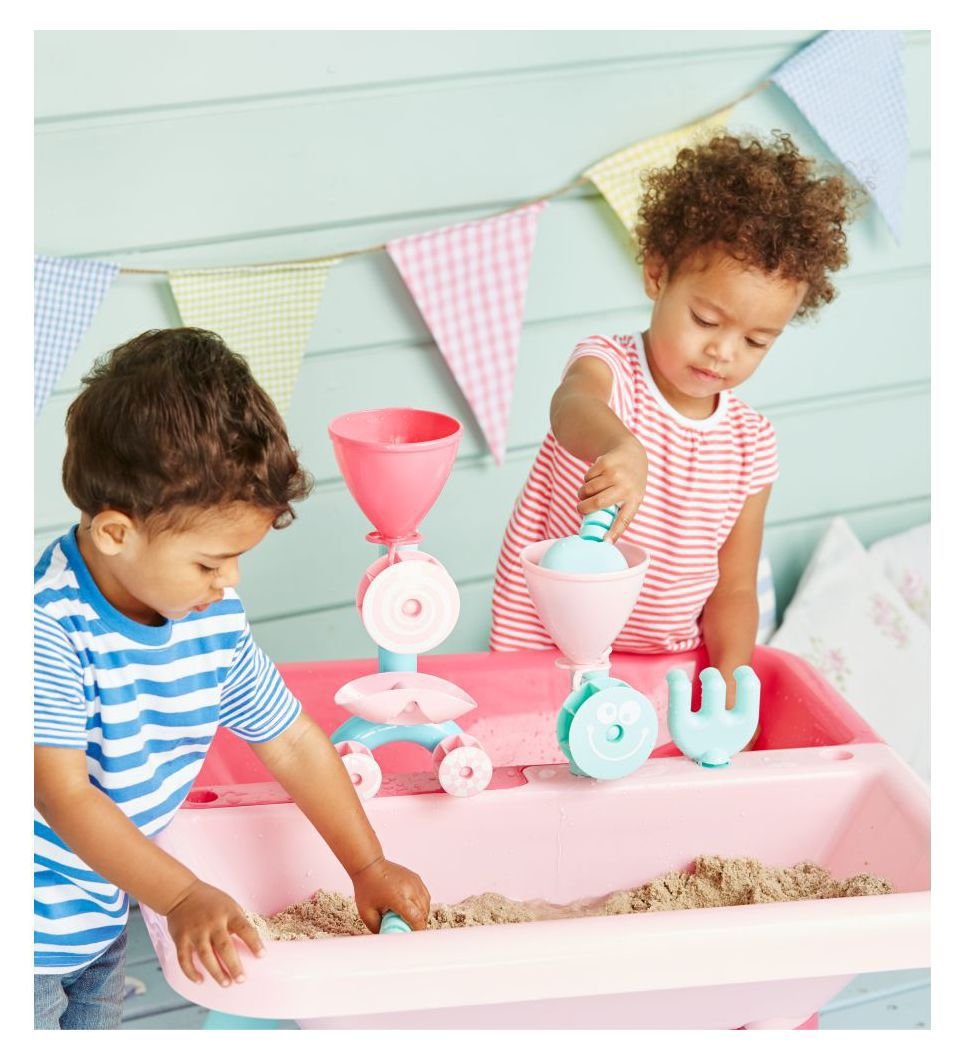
x=462, y=765
x=361, y=767
x=409, y=606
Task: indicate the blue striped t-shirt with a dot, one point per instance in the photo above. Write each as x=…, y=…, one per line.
x=143, y=703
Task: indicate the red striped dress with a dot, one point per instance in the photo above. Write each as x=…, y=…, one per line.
x=700, y=472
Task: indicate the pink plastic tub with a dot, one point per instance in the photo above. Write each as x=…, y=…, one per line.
x=518, y=696
x=818, y=787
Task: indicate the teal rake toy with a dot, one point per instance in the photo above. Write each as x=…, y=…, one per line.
x=712, y=735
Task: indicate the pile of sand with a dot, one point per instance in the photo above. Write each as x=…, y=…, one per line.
x=713, y=882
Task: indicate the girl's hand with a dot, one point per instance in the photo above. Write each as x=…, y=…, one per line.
x=382, y=885
x=201, y=921
x=618, y=476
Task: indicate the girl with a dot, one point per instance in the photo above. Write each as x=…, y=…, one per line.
x=736, y=240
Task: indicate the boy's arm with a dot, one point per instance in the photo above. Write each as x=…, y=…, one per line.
x=589, y=429
x=101, y=834
x=303, y=759
x=730, y=616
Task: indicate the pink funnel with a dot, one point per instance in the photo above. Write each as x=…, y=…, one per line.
x=395, y=463
x=584, y=613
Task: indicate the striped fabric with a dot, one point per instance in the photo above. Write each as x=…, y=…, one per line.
x=700, y=472
x=144, y=703
x=264, y=312
x=619, y=176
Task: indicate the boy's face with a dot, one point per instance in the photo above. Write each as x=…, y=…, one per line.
x=712, y=324
x=172, y=572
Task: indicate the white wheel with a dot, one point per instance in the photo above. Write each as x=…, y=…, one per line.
x=361, y=766
x=463, y=767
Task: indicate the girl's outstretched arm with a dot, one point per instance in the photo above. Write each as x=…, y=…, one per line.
x=588, y=428
x=729, y=619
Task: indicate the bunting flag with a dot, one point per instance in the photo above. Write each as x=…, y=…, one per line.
x=67, y=293
x=849, y=84
x=469, y=280
x=469, y=283
x=618, y=177
x=264, y=313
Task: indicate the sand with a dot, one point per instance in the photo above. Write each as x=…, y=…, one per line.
x=712, y=882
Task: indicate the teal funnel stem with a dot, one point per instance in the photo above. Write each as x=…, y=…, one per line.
x=392, y=923
x=712, y=735
x=596, y=524
x=587, y=552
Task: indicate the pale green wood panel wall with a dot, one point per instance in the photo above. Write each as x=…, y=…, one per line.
x=176, y=149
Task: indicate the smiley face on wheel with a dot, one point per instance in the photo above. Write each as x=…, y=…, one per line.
x=612, y=733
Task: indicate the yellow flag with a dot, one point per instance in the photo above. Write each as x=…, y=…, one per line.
x=265, y=313
x=618, y=177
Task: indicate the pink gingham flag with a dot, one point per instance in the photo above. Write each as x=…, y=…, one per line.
x=469, y=283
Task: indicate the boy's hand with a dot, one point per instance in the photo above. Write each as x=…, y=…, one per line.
x=201, y=921
x=382, y=885
x=618, y=476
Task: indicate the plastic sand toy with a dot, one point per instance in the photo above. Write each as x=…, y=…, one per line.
x=606, y=728
x=817, y=786
x=395, y=463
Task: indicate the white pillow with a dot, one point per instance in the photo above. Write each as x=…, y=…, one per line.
x=766, y=601
x=905, y=560
x=850, y=623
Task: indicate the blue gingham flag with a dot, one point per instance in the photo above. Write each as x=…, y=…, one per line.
x=850, y=87
x=66, y=295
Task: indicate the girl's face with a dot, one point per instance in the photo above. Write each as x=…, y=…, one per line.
x=712, y=324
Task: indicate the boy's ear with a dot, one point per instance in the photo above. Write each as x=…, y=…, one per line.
x=655, y=275
x=110, y=531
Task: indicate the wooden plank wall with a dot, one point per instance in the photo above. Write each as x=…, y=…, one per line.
x=198, y=149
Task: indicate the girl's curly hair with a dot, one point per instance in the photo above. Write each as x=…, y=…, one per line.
x=762, y=202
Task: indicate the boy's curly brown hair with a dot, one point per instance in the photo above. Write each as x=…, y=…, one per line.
x=174, y=421
x=763, y=203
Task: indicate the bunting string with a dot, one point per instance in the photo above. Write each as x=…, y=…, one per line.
x=469, y=279
x=376, y=248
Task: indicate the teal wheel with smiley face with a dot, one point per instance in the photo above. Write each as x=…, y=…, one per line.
x=606, y=729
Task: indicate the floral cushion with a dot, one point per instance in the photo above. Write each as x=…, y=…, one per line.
x=852, y=624
x=905, y=560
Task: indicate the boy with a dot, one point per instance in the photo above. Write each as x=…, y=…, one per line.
x=179, y=464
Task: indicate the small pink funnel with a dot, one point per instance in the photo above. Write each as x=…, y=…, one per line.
x=584, y=613
x=395, y=463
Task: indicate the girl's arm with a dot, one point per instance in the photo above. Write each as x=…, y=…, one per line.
x=729, y=619
x=303, y=759
x=588, y=428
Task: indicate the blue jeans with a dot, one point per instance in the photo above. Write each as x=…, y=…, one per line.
x=88, y=1000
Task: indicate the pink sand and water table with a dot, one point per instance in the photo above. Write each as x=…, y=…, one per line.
x=555, y=776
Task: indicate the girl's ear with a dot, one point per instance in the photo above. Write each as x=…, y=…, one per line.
x=111, y=531
x=655, y=275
